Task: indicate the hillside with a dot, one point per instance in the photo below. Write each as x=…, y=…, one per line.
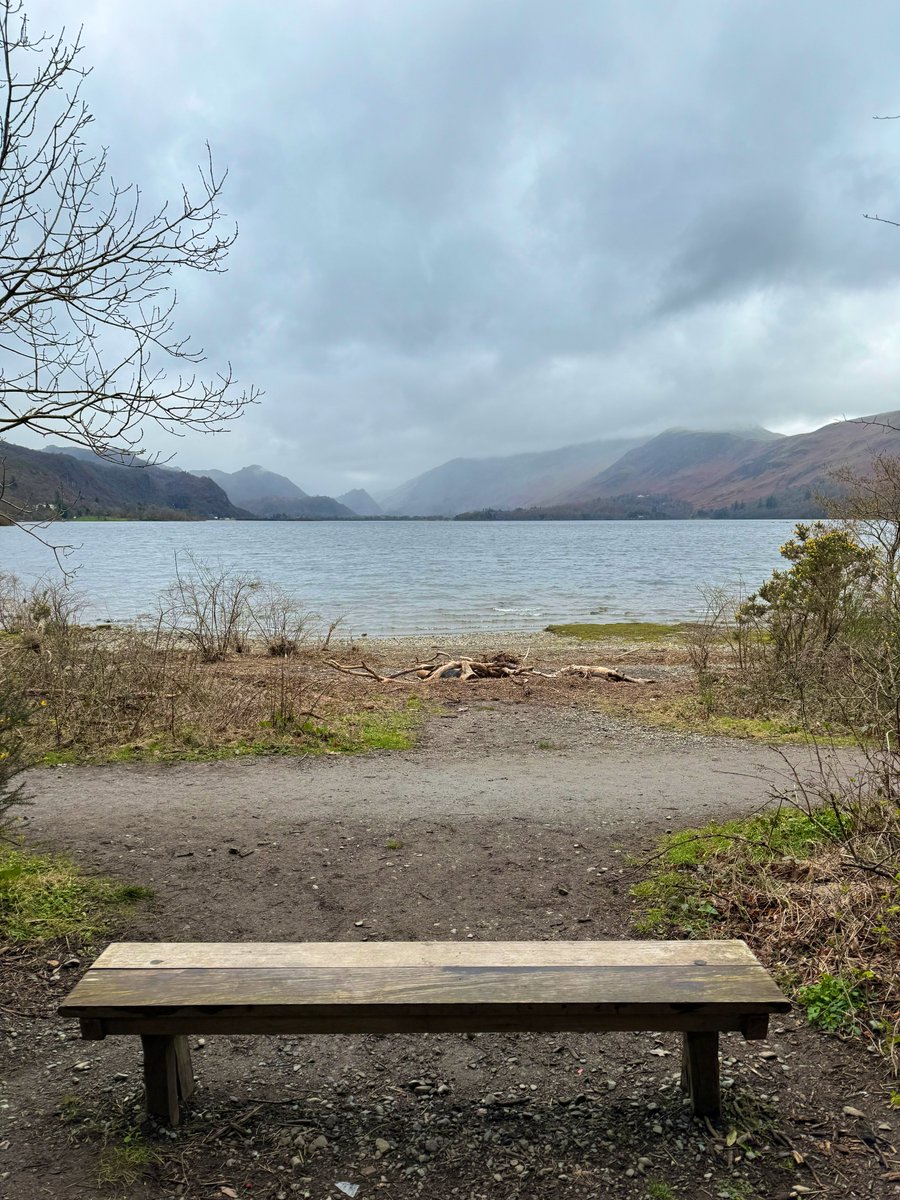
x=802, y=462
x=506, y=481
x=744, y=474
x=713, y=471
x=50, y=482
x=267, y=494
x=677, y=462
x=360, y=502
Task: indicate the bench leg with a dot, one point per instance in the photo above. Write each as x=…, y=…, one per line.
x=700, y=1072
x=186, y=1083
x=167, y=1075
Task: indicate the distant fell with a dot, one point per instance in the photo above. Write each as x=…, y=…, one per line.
x=254, y=483
x=267, y=494
x=503, y=481
x=705, y=473
x=52, y=483
x=360, y=502
x=678, y=462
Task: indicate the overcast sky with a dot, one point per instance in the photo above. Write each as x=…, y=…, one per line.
x=488, y=226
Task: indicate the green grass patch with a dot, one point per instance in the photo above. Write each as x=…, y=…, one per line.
x=677, y=896
x=762, y=729
x=688, y=714
x=657, y=1190
x=47, y=897
x=627, y=631
x=349, y=733
x=123, y=1165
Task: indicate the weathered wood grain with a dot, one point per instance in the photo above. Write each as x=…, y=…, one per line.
x=161, y=1077
x=700, y=1072
x=262, y=987
x=163, y=991
x=174, y=955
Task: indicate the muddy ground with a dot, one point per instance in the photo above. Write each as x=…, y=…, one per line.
x=510, y=820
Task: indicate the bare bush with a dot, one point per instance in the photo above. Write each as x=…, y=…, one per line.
x=279, y=619
x=14, y=757
x=96, y=693
x=210, y=607
x=47, y=604
x=702, y=638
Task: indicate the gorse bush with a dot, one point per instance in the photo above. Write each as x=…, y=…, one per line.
x=817, y=644
x=824, y=597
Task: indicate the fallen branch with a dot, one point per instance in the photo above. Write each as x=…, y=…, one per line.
x=588, y=672
x=468, y=669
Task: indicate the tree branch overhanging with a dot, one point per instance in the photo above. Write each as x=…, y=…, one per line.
x=89, y=350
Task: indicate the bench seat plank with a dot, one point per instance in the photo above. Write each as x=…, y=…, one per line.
x=131, y=955
x=102, y=992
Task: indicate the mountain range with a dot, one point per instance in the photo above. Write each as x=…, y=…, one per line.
x=678, y=473
x=266, y=494
x=503, y=481
x=76, y=483
x=722, y=474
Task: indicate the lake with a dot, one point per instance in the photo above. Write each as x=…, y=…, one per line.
x=422, y=577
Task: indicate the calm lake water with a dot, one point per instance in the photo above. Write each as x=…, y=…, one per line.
x=423, y=577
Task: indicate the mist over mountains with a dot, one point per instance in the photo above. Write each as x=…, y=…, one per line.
x=267, y=494
x=512, y=481
x=679, y=473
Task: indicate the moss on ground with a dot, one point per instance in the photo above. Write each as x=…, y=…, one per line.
x=627, y=631
x=44, y=897
x=755, y=878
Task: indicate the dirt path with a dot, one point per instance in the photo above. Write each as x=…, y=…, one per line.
x=509, y=821
x=510, y=761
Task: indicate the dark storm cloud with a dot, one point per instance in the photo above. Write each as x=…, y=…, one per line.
x=492, y=227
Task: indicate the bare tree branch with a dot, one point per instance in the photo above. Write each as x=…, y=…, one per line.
x=882, y=220
x=88, y=347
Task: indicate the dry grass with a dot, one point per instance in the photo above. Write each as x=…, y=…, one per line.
x=813, y=885
x=128, y=694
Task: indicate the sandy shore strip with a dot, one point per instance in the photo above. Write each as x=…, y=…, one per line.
x=537, y=646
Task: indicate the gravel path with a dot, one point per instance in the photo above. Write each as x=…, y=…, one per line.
x=482, y=761
x=508, y=821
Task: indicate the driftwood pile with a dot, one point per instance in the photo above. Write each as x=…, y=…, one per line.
x=501, y=666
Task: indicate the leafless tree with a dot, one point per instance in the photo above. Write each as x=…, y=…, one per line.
x=88, y=347
x=869, y=504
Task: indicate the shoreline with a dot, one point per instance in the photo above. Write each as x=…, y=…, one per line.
x=534, y=645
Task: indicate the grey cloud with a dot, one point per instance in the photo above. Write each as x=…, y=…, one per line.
x=483, y=227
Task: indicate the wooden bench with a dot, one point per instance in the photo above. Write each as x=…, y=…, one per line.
x=164, y=991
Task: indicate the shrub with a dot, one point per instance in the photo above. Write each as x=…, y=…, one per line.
x=47, y=604
x=210, y=607
x=14, y=758
x=834, y=1002
x=825, y=594
x=279, y=619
